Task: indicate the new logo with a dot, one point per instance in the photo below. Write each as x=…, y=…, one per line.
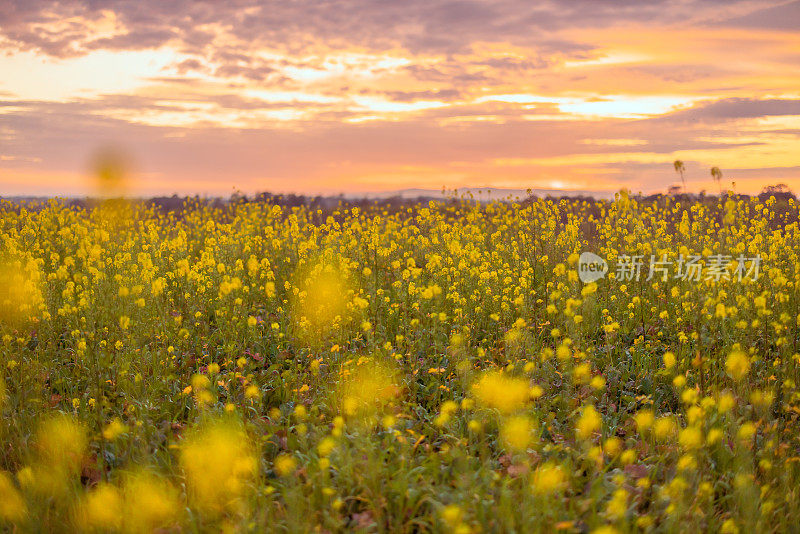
x=591, y=267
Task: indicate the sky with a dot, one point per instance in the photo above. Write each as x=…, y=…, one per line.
x=332, y=96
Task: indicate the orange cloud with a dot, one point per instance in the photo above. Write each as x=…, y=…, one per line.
x=581, y=94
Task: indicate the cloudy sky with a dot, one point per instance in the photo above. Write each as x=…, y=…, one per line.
x=345, y=96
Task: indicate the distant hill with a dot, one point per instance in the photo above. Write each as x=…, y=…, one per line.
x=481, y=193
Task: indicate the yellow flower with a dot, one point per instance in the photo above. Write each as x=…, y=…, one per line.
x=388, y=421
x=474, y=426
x=737, y=365
x=664, y=427
x=687, y=462
x=284, y=465
x=12, y=506
x=644, y=420
x=371, y=387
x=102, y=508
x=548, y=478
x=618, y=504
x=581, y=373
x=20, y=292
x=598, y=382
x=612, y=446
x=628, y=457
x=689, y=396
x=114, y=429
x=441, y=420
x=588, y=423
x=729, y=527
x=150, y=503
x=746, y=432
x=452, y=514
x=690, y=437
x=219, y=462
x=714, y=436
x=449, y=407
x=536, y=392
x=200, y=382
x=326, y=446
x=61, y=444
x=516, y=433
x=761, y=399
x=505, y=394
x=726, y=402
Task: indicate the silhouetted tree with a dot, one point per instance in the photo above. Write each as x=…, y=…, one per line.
x=716, y=174
x=680, y=168
x=779, y=191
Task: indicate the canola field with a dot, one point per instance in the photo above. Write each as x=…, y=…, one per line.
x=441, y=367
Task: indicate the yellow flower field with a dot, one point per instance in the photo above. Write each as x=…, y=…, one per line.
x=440, y=367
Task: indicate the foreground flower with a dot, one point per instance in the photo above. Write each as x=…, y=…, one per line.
x=151, y=503
x=588, y=423
x=102, y=509
x=369, y=389
x=12, y=505
x=548, y=478
x=516, y=433
x=503, y=393
x=285, y=465
x=220, y=463
x=737, y=365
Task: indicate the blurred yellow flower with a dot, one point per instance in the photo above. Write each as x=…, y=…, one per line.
x=738, y=365
x=516, y=433
x=547, y=479
x=500, y=392
x=285, y=465
x=588, y=423
x=102, y=508
x=12, y=505
x=220, y=464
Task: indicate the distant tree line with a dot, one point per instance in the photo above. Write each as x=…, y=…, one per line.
x=326, y=205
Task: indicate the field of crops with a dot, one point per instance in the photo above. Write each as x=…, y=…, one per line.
x=437, y=368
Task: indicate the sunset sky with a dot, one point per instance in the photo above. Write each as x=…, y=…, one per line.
x=329, y=96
